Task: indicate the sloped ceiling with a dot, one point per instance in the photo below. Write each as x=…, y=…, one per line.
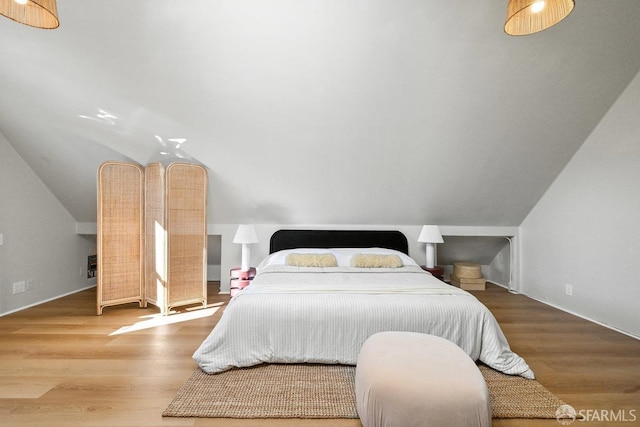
x=318, y=111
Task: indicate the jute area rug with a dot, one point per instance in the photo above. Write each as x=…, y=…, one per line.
x=326, y=391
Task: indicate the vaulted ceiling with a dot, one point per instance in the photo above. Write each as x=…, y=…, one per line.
x=318, y=111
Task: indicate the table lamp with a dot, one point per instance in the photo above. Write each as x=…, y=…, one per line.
x=430, y=234
x=246, y=235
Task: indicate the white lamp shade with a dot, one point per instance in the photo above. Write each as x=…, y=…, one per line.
x=430, y=234
x=245, y=234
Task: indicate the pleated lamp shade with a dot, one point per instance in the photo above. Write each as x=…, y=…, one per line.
x=35, y=13
x=246, y=233
x=430, y=234
x=531, y=16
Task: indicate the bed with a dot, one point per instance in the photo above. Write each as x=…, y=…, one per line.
x=320, y=294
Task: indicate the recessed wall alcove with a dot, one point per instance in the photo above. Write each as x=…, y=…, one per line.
x=493, y=253
x=214, y=257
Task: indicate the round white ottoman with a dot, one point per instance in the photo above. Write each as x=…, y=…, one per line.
x=406, y=379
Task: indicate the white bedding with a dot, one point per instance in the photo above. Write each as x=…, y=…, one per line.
x=324, y=315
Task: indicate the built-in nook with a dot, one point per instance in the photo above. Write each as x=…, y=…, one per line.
x=214, y=257
x=493, y=253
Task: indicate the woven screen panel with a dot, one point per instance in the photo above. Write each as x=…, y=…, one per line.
x=155, y=241
x=120, y=234
x=186, y=201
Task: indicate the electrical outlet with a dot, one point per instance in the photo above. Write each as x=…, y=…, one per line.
x=568, y=289
x=19, y=287
x=29, y=285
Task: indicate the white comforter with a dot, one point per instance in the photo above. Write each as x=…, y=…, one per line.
x=302, y=315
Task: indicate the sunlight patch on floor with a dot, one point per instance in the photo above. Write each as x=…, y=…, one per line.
x=158, y=319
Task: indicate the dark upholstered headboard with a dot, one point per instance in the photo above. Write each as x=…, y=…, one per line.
x=292, y=239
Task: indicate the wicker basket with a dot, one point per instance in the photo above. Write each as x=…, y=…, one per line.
x=468, y=276
x=467, y=270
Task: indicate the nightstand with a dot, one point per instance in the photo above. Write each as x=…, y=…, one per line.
x=437, y=271
x=240, y=279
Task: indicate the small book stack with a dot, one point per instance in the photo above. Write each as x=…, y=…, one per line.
x=468, y=276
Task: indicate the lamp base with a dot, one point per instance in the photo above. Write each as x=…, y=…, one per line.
x=431, y=255
x=246, y=257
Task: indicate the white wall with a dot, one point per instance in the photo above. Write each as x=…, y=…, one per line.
x=40, y=240
x=585, y=231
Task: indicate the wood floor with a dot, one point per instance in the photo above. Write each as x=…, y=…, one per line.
x=61, y=365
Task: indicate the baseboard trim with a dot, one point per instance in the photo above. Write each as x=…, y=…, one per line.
x=498, y=284
x=582, y=316
x=46, y=300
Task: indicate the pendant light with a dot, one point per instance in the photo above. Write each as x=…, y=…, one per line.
x=35, y=13
x=531, y=16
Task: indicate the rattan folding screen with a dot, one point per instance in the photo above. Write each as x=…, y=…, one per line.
x=120, y=234
x=152, y=237
x=176, y=235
